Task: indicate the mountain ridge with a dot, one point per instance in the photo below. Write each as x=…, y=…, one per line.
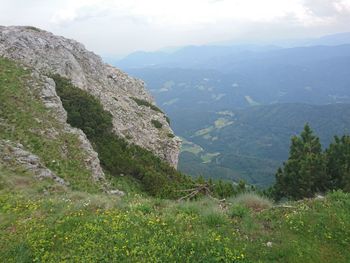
x=212, y=50
x=50, y=54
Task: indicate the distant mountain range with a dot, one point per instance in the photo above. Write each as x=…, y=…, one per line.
x=237, y=106
x=196, y=56
x=327, y=40
x=316, y=75
x=187, y=57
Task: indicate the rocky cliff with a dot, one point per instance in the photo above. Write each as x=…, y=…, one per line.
x=124, y=97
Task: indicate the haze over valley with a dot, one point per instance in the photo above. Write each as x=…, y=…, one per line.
x=236, y=107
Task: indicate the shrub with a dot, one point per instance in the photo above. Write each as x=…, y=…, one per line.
x=222, y=189
x=252, y=201
x=157, y=124
x=33, y=28
x=206, y=208
x=84, y=110
x=170, y=135
x=141, y=102
x=167, y=119
x=144, y=208
x=238, y=210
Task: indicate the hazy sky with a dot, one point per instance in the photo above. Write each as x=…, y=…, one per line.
x=118, y=27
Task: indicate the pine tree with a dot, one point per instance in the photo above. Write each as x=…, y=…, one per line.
x=241, y=187
x=338, y=163
x=304, y=173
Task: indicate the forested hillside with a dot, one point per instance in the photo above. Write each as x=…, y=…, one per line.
x=252, y=143
x=237, y=107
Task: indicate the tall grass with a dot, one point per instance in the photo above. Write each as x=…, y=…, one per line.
x=251, y=200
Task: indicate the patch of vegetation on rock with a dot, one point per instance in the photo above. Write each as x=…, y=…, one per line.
x=117, y=156
x=33, y=28
x=170, y=135
x=141, y=102
x=167, y=119
x=157, y=124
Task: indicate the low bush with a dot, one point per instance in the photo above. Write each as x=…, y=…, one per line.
x=238, y=210
x=157, y=124
x=214, y=219
x=170, y=135
x=167, y=119
x=252, y=201
x=33, y=28
x=141, y=102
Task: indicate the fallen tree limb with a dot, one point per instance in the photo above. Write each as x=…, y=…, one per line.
x=198, y=189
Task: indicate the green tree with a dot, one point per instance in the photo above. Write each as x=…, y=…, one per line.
x=241, y=187
x=304, y=173
x=338, y=163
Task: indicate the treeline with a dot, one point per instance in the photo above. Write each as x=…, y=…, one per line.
x=117, y=156
x=309, y=170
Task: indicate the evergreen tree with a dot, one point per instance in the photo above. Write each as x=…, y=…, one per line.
x=200, y=179
x=241, y=187
x=338, y=163
x=304, y=173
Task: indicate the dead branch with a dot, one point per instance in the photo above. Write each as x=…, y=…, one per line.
x=198, y=189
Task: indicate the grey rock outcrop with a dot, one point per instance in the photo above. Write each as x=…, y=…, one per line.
x=52, y=101
x=15, y=154
x=48, y=53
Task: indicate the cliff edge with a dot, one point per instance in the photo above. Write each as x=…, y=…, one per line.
x=135, y=116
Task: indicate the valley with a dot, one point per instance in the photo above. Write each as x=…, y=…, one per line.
x=237, y=107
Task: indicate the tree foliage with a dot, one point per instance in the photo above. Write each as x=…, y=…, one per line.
x=309, y=170
x=338, y=163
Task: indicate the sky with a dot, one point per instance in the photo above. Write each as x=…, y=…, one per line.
x=116, y=28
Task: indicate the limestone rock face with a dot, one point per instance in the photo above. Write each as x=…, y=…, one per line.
x=49, y=54
x=16, y=154
x=53, y=102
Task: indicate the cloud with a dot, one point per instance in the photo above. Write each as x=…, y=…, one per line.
x=120, y=27
x=321, y=8
x=332, y=15
x=176, y=13
x=328, y=8
x=343, y=6
x=78, y=11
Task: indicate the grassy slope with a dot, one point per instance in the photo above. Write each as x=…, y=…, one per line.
x=80, y=227
x=24, y=119
x=42, y=221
